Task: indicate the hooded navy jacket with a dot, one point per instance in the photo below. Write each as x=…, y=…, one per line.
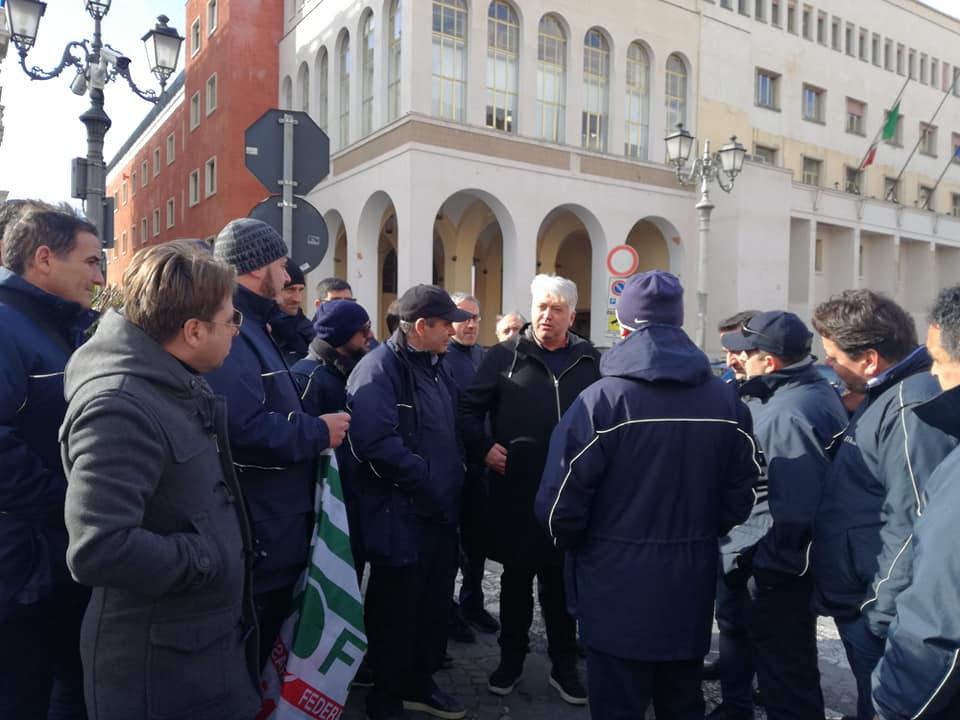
x=796, y=414
x=918, y=675
x=648, y=467
x=274, y=443
x=406, y=462
x=41, y=330
x=872, y=495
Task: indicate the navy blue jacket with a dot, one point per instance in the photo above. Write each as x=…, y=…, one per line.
x=647, y=469
x=872, y=494
x=40, y=332
x=292, y=334
x=462, y=362
x=406, y=462
x=918, y=675
x=275, y=445
x=796, y=414
x=322, y=378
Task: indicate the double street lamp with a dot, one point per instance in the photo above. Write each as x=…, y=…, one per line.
x=723, y=167
x=96, y=64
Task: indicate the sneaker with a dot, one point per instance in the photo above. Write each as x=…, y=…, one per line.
x=567, y=682
x=480, y=619
x=438, y=704
x=504, y=679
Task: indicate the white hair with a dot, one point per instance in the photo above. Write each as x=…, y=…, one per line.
x=459, y=297
x=554, y=286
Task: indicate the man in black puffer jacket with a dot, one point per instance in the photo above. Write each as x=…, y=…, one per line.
x=647, y=468
x=506, y=416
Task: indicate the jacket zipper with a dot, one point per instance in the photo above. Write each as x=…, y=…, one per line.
x=556, y=383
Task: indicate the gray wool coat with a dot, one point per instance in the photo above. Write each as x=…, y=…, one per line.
x=157, y=527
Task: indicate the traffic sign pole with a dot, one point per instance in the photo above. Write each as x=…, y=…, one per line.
x=287, y=182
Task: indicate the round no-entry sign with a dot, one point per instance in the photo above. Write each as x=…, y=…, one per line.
x=622, y=261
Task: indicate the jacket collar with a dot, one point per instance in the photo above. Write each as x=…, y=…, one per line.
x=64, y=312
x=255, y=308
x=917, y=361
x=942, y=412
x=324, y=352
x=763, y=386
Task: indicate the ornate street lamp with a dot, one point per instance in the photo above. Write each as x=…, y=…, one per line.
x=722, y=167
x=96, y=64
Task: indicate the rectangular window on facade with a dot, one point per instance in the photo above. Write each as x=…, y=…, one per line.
x=822, y=28
x=956, y=81
x=891, y=189
x=807, y=22
x=934, y=72
x=116, y=204
x=171, y=213
x=835, y=33
x=765, y=154
x=123, y=243
x=195, y=37
x=767, y=89
x=856, y=112
x=912, y=64
x=143, y=231
x=888, y=54
x=195, y=110
x=792, y=16
x=743, y=7
x=212, y=16
x=171, y=148
x=851, y=180
x=211, y=93
x=875, y=50
x=900, y=59
x=133, y=183
x=945, y=85
x=955, y=204
x=818, y=255
x=156, y=221
x=156, y=161
x=924, y=78
x=210, y=177
x=124, y=192
x=811, y=171
x=849, y=40
x=925, y=198
x=955, y=146
x=928, y=139
x=775, y=12
x=760, y=10
x=143, y=174
x=193, y=188
x=813, y=99
x=864, y=48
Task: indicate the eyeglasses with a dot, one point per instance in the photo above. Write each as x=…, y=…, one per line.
x=235, y=322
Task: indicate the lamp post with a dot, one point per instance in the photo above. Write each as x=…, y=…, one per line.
x=722, y=167
x=96, y=64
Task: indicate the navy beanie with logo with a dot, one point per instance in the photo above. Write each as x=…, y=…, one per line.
x=655, y=296
x=249, y=245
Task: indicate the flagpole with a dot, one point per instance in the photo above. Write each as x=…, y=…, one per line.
x=896, y=181
x=953, y=157
x=876, y=138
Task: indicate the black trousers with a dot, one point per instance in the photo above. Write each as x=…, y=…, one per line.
x=406, y=611
x=736, y=656
x=622, y=689
x=516, y=614
x=273, y=607
x=473, y=519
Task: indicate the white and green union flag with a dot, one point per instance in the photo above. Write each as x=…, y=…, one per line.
x=321, y=644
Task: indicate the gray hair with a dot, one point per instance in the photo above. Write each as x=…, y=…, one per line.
x=555, y=286
x=945, y=313
x=459, y=297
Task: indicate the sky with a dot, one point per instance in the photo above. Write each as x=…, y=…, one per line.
x=42, y=129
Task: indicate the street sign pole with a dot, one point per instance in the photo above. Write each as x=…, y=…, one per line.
x=287, y=182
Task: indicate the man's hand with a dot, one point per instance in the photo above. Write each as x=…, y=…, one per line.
x=496, y=458
x=337, y=426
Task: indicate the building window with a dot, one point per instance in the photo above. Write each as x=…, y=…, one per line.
x=638, y=102
x=367, y=39
x=925, y=198
x=928, y=139
x=676, y=92
x=116, y=203
x=503, y=46
x=891, y=189
x=759, y=10
x=934, y=73
x=171, y=213
x=726, y=4
x=212, y=94
x=742, y=7
x=286, y=93
x=806, y=22
x=195, y=37
x=956, y=82
x=888, y=54
x=924, y=78
x=955, y=204
x=767, y=89
x=123, y=243
x=875, y=50
x=856, y=111
x=912, y=63
x=394, y=51
x=822, y=28
x=449, y=59
x=775, y=13
x=835, y=34
x=765, y=154
x=811, y=171
x=133, y=183
x=596, y=91
x=813, y=102
x=896, y=139
x=955, y=147
x=818, y=255
x=211, y=16
x=551, y=80
x=124, y=192
x=156, y=221
x=195, y=110
x=863, y=45
x=344, y=82
x=851, y=179
x=171, y=147
x=792, y=16
x=900, y=64
x=156, y=161
x=193, y=188
x=143, y=231
x=143, y=174
x=849, y=40
x=210, y=177
x=323, y=88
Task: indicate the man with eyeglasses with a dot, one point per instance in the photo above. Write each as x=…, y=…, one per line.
x=873, y=491
x=796, y=413
x=275, y=444
x=153, y=510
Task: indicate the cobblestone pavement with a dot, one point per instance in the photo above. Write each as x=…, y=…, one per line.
x=534, y=699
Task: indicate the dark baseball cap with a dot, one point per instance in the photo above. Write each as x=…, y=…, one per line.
x=777, y=332
x=429, y=301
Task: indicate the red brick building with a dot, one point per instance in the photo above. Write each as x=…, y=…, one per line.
x=181, y=174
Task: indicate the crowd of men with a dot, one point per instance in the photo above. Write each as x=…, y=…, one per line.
x=157, y=499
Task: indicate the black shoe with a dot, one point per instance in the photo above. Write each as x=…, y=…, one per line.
x=438, y=704
x=711, y=668
x=726, y=712
x=568, y=684
x=504, y=679
x=364, y=676
x=380, y=708
x=480, y=619
x=457, y=629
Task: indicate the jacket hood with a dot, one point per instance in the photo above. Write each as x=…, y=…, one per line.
x=763, y=386
x=917, y=361
x=121, y=348
x=255, y=307
x=656, y=353
x=942, y=412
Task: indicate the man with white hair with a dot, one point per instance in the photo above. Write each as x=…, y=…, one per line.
x=509, y=325
x=506, y=415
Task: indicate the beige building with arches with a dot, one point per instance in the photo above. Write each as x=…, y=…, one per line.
x=475, y=143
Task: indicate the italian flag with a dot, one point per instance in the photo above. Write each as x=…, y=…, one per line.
x=888, y=132
x=321, y=644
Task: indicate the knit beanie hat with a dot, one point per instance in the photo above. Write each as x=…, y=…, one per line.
x=295, y=273
x=249, y=245
x=337, y=321
x=654, y=296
